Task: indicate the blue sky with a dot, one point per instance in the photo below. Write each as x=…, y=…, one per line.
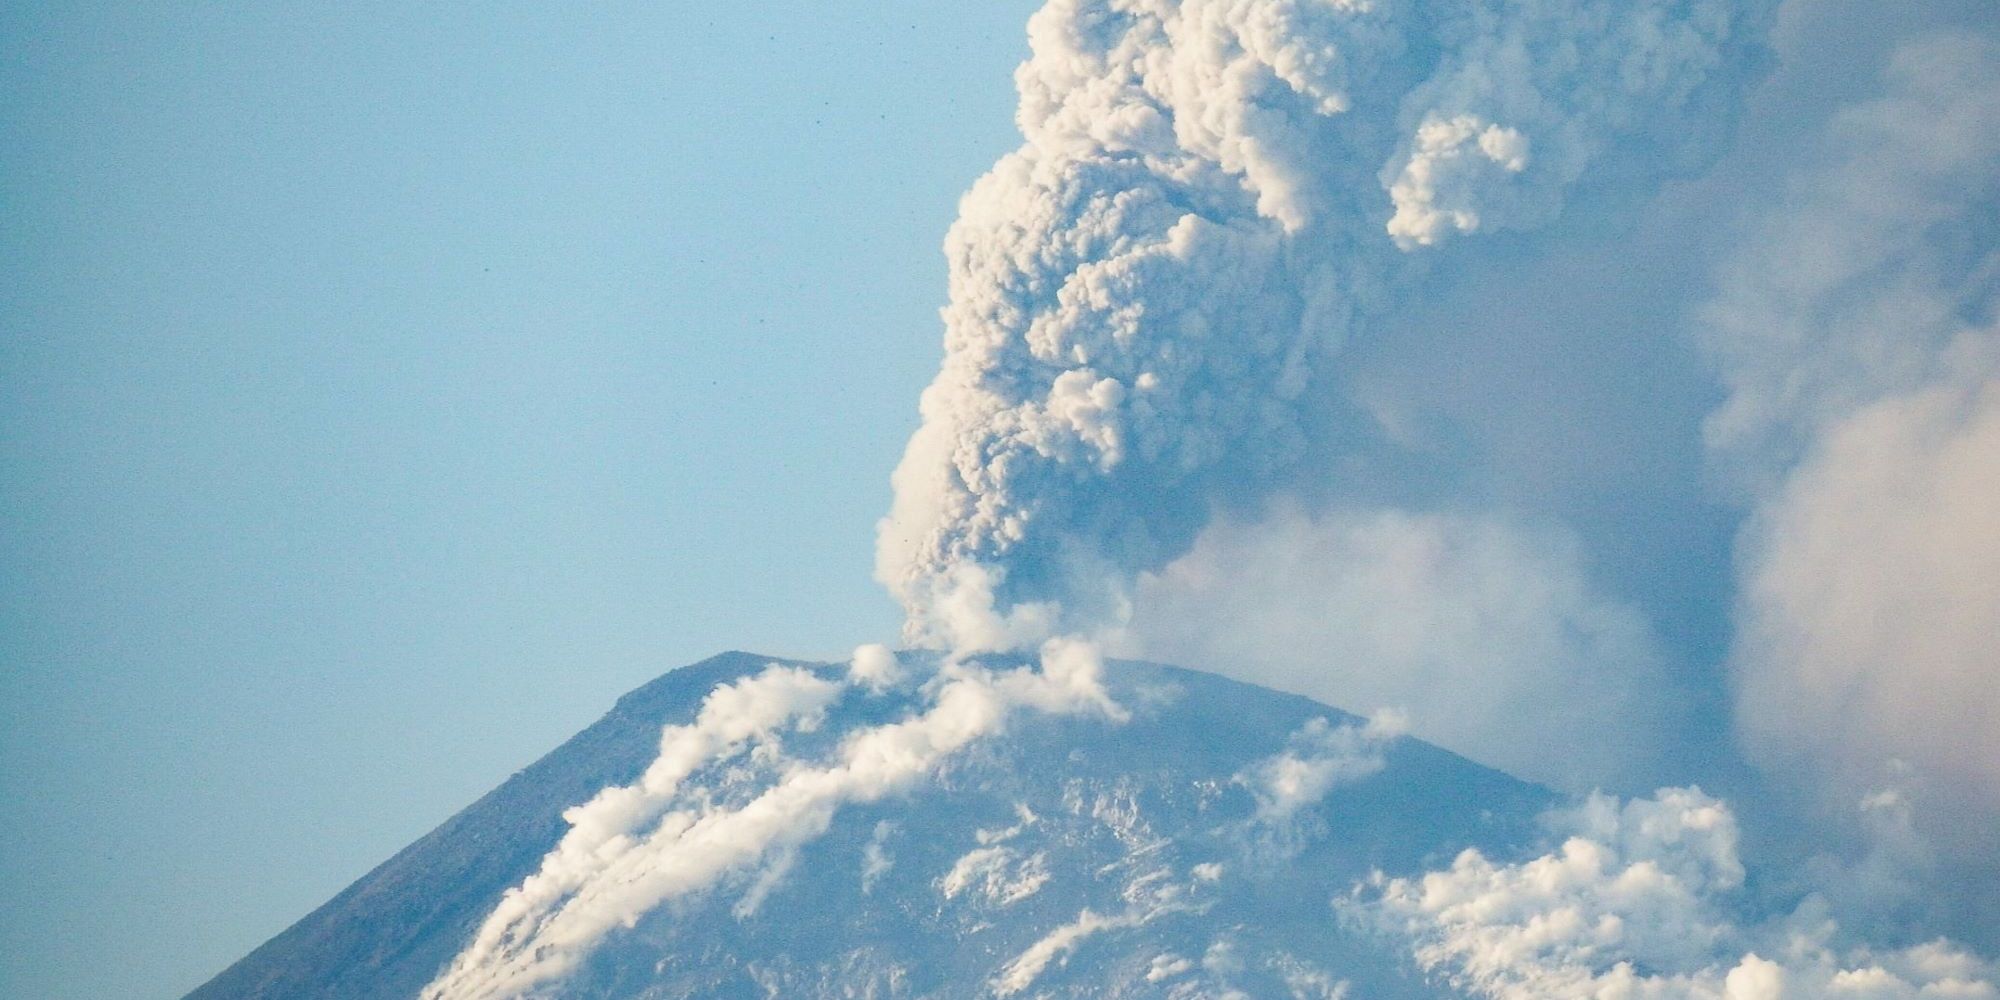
x=385, y=394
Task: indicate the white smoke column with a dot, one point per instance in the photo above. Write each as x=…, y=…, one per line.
x=1211, y=197
x=637, y=847
x=1855, y=331
x=1637, y=902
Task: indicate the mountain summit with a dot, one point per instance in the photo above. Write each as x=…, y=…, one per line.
x=1193, y=845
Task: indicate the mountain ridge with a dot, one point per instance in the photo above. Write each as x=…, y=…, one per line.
x=393, y=930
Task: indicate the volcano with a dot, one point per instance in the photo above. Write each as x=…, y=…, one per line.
x=1195, y=846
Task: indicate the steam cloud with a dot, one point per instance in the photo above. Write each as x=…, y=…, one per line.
x=1637, y=902
x=1318, y=758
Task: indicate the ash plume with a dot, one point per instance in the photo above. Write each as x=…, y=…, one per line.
x=1146, y=298
x=1212, y=198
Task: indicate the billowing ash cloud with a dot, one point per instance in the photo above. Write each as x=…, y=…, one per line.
x=1146, y=299
x=1213, y=195
x=1856, y=334
x=1639, y=901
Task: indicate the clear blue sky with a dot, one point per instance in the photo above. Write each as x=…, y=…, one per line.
x=385, y=394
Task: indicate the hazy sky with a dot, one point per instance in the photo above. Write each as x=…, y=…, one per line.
x=386, y=394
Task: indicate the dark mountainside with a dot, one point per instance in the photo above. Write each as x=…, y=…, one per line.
x=1096, y=817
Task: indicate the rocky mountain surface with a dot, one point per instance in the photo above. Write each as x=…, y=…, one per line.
x=1195, y=848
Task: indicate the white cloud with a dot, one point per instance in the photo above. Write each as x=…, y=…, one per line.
x=1318, y=758
x=1434, y=191
x=874, y=666
x=1487, y=632
x=1637, y=902
x=1166, y=966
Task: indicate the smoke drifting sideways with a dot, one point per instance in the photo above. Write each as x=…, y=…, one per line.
x=1213, y=198
x=1486, y=631
x=1855, y=332
x=725, y=801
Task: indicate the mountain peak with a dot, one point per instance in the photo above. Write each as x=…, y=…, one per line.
x=1194, y=845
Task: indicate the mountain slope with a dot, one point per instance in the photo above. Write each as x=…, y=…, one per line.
x=1189, y=850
